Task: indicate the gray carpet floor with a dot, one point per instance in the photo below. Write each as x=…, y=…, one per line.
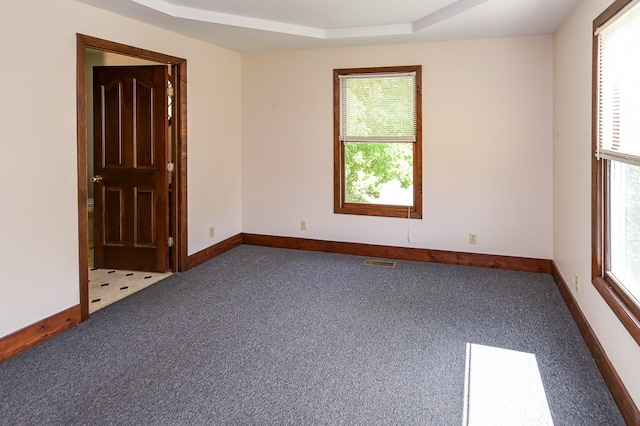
x=267, y=336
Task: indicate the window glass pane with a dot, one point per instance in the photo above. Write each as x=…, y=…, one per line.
x=624, y=225
x=378, y=173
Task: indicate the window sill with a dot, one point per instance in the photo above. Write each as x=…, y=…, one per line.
x=378, y=210
x=630, y=321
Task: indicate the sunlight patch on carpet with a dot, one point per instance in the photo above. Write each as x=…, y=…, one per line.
x=503, y=387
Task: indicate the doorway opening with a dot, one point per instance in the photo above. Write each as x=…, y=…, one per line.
x=88, y=49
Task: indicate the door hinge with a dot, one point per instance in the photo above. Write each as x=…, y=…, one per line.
x=169, y=167
x=170, y=241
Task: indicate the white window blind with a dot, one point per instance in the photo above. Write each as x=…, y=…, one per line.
x=378, y=107
x=619, y=87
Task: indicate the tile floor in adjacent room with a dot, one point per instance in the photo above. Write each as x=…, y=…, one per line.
x=107, y=286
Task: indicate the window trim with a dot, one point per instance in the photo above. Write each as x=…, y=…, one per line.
x=342, y=207
x=611, y=291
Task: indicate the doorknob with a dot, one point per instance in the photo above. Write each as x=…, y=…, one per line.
x=96, y=179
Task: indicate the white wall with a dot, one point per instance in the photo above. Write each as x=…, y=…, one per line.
x=38, y=182
x=487, y=145
x=572, y=185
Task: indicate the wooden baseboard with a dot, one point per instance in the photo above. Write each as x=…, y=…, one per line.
x=215, y=250
x=403, y=253
x=619, y=392
x=35, y=333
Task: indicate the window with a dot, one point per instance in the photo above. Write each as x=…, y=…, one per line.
x=616, y=164
x=378, y=141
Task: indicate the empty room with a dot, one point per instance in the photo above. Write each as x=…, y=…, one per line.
x=338, y=212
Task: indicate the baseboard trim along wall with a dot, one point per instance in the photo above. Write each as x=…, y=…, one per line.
x=621, y=396
x=215, y=250
x=35, y=333
x=403, y=253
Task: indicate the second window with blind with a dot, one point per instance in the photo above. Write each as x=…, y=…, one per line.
x=378, y=141
x=616, y=195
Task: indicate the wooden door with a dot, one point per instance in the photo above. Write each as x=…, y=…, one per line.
x=131, y=192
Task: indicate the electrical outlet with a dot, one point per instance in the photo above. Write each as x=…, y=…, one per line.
x=303, y=225
x=473, y=238
x=212, y=231
x=577, y=282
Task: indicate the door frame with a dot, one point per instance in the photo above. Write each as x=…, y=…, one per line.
x=178, y=198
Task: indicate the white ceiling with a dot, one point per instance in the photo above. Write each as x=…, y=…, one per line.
x=260, y=25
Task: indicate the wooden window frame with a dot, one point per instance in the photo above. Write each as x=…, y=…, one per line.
x=342, y=207
x=615, y=295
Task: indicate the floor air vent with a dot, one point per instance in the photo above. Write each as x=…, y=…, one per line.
x=382, y=263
